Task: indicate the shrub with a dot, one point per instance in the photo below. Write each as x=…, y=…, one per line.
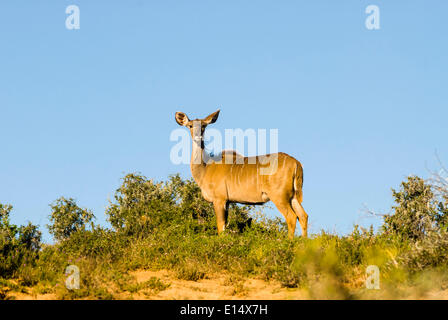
x=140, y=205
x=417, y=211
x=66, y=218
x=19, y=245
x=430, y=252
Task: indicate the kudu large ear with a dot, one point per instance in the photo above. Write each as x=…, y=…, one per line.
x=181, y=118
x=212, y=118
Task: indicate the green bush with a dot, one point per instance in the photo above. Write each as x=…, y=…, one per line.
x=19, y=245
x=66, y=218
x=140, y=205
x=431, y=252
x=417, y=213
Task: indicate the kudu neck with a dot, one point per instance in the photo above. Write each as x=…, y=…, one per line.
x=197, y=163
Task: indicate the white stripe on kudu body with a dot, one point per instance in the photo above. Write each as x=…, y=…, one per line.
x=249, y=180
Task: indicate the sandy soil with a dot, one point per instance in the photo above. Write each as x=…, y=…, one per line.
x=214, y=287
x=217, y=287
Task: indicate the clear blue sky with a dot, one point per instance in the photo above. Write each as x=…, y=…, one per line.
x=80, y=108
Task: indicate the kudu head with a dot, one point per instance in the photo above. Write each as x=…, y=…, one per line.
x=196, y=126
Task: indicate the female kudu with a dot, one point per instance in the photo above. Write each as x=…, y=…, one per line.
x=249, y=180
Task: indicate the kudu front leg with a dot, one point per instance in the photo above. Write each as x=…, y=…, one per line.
x=221, y=214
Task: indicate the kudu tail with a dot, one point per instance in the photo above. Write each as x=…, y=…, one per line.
x=296, y=201
x=298, y=182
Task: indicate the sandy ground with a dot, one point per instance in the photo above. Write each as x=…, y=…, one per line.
x=215, y=287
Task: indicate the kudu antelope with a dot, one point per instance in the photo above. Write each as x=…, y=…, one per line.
x=247, y=180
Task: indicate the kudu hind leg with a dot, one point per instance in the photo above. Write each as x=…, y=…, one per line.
x=301, y=214
x=291, y=219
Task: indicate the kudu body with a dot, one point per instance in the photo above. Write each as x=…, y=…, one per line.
x=247, y=180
